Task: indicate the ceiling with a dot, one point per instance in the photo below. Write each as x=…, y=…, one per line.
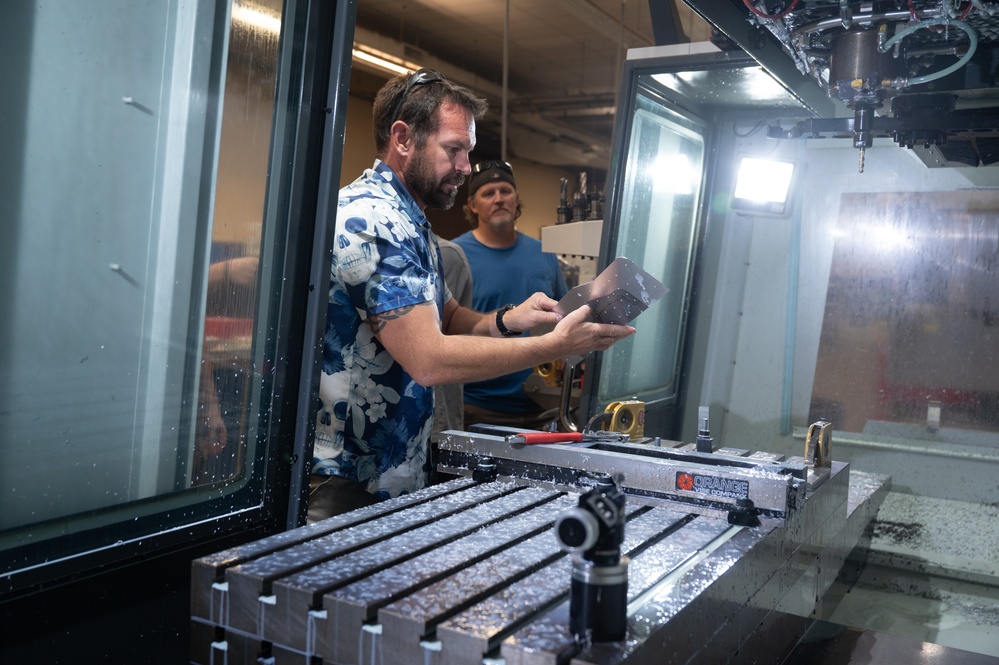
x=564, y=57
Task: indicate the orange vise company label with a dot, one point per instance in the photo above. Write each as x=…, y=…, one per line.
x=728, y=488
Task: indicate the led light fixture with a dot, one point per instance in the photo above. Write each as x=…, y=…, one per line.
x=763, y=186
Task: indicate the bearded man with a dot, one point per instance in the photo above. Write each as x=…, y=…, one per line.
x=393, y=331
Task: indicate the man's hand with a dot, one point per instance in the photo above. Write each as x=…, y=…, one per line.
x=413, y=337
x=534, y=311
x=577, y=336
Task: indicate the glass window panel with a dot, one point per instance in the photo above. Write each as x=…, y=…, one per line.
x=660, y=195
x=131, y=233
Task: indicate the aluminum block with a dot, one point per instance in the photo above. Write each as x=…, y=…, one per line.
x=209, y=594
x=465, y=571
x=354, y=605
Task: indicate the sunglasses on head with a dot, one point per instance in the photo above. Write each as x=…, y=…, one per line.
x=419, y=77
x=492, y=164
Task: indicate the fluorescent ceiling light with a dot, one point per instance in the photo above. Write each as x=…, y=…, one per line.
x=384, y=61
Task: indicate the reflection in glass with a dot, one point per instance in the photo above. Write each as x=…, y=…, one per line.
x=744, y=86
x=223, y=432
x=910, y=329
x=656, y=230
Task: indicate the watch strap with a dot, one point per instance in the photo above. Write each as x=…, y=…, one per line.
x=506, y=332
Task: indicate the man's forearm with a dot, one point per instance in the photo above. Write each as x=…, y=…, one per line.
x=413, y=336
x=469, y=322
x=466, y=358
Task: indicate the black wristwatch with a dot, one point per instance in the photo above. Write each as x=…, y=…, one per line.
x=506, y=332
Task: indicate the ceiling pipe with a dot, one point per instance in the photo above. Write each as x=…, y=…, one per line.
x=530, y=135
x=506, y=82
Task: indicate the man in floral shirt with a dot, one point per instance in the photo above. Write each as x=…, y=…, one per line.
x=393, y=330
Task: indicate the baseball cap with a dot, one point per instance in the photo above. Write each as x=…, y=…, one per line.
x=486, y=172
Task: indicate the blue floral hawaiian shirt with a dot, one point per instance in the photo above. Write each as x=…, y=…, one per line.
x=374, y=420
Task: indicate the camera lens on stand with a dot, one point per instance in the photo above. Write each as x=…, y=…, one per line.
x=593, y=532
x=577, y=530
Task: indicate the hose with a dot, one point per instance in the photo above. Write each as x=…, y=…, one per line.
x=945, y=21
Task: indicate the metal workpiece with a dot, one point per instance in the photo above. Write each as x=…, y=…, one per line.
x=753, y=594
x=719, y=601
x=413, y=620
x=697, y=480
x=864, y=486
x=652, y=611
x=235, y=648
x=547, y=639
x=479, y=629
x=250, y=584
x=866, y=493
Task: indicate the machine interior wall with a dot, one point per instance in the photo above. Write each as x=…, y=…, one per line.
x=763, y=290
x=757, y=339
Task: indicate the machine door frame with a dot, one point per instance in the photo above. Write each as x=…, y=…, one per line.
x=690, y=89
x=685, y=126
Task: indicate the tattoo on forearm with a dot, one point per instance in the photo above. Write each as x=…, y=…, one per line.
x=377, y=321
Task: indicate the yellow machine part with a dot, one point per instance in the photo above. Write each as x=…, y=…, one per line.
x=818, y=442
x=627, y=417
x=551, y=373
